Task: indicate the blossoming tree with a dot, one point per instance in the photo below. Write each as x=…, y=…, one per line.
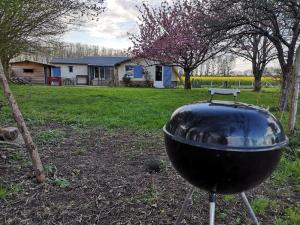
x=177, y=33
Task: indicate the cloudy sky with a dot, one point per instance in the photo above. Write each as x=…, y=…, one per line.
x=119, y=19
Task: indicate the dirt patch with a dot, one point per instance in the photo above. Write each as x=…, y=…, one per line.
x=105, y=181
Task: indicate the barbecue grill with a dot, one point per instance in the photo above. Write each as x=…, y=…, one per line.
x=223, y=147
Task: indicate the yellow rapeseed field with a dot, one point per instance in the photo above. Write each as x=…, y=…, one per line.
x=232, y=78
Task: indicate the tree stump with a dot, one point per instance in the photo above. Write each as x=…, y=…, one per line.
x=9, y=133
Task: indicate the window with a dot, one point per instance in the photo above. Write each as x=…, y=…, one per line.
x=28, y=70
x=102, y=73
x=158, y=73
x=108, y=73
x=97, y=72
x=92, y=72
x=70, y=69
x=129, y=71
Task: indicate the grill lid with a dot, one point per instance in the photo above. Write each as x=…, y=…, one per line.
x=226, y=125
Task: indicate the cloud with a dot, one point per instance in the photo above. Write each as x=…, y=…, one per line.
x=119, y=18
x=113, y=26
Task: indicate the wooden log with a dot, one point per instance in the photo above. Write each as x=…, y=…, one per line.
x=9, y=133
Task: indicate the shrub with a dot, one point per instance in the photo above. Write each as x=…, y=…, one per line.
x=126, y=80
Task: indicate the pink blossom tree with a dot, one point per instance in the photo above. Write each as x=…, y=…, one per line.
x=177, y=33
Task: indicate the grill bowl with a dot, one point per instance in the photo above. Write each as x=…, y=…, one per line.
x=224, y=147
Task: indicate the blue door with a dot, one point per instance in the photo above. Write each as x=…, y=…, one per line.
x=56, y=72
x=138, y=71
x=167, y=76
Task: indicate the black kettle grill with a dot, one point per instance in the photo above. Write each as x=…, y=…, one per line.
x=223, y=147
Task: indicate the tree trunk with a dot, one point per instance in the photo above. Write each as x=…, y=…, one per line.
x=257, y=82
x=31, y=147
x=285, y=92
x=5, y=65
x=187, y=83
x=294, y=100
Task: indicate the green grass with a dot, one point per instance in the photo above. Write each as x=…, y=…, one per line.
x=8, y=190
x=114, y=107
x=3, y=192
x=60, y=182
x=45, y=137
x=229, y=198
x=288, y=170
x=17, y=156
x=260, y=205
x=291, y=217
x=150, y=197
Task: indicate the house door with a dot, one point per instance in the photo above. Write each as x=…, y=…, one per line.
x=167, y=76
x=158, y=81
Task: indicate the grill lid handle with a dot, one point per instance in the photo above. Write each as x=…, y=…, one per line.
x=218, y=91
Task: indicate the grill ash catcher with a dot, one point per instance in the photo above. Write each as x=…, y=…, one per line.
x=223, y=147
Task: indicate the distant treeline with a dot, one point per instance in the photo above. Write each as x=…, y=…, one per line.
x=69, y=50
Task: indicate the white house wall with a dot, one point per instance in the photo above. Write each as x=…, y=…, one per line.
x=122, y=70
x=149, y=66
x=77, y=70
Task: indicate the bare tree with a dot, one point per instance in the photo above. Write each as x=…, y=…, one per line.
x=207, y=68
x=259, y=51
x=71, y=50
x=225, y=64
x=278, y=20
x=25, y=25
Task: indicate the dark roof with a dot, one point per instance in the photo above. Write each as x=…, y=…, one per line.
x=91, y=60
x=29, y=61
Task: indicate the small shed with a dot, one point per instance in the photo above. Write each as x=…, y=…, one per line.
x=31, y=71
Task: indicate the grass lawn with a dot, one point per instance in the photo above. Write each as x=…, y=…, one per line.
x=115, y=107
x=80, y=131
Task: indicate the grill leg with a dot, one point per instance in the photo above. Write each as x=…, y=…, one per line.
x=249, y=209
x=212, y=208
x=187, y=201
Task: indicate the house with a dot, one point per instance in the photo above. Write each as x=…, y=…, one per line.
x=31, y=71
x=89, y=70
x=146, y=71
x=109, y=71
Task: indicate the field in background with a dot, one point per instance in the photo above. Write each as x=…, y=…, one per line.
x=231, y=81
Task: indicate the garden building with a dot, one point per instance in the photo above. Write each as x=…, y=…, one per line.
x=33, y=72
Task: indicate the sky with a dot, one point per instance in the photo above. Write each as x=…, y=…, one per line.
x=111, y=31
x=119, y=19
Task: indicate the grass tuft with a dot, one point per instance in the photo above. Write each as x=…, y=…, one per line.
x=60, y=182
x=260, y=205
x=45, y=137
x=8, y=190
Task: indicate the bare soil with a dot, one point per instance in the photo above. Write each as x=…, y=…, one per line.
x=110, y=184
